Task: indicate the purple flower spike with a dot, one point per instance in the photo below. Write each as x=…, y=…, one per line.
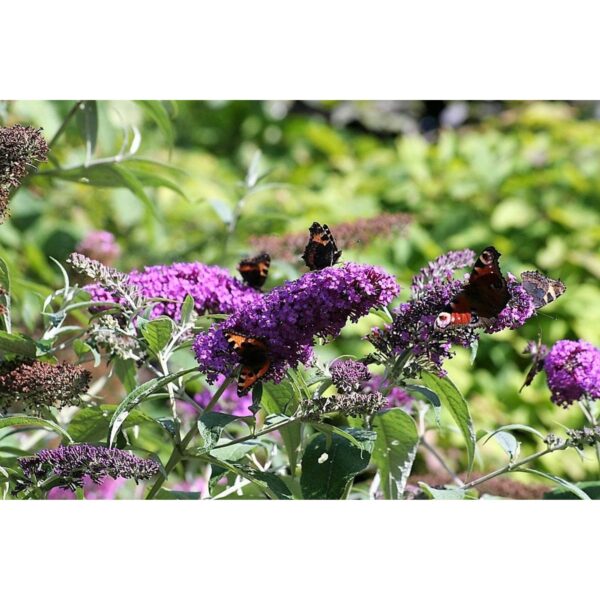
x=347, y=375
x=214, y=290
x=573, y=370
x=72, y=463
x=288, y=318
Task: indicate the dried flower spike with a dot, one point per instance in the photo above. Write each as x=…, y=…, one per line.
x=32, y=385
x=21, y=148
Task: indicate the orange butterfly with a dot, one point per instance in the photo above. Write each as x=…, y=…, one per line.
x=254, y=359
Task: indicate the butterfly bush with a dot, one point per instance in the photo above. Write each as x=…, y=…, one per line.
x=288, y=318
x=32, y=385
x=573, y=371
x=213, y=289
x=413, y=328
x=71, y=464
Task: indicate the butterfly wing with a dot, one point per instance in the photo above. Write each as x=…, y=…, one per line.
x=482, y=299
x=321, y=250
x=542, y=289
x=254, y=271
x=254, y=359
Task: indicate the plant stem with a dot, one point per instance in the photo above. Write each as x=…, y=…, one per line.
x=66, y=121
x=455, y=478
x=588, y=411
x=514, y=466
x=264, y=431
x=179, y=449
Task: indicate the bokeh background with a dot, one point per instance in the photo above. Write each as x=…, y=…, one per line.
x=183, y=181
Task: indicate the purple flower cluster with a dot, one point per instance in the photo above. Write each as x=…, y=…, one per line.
x=396, y=397
x=440, y=271
x=573, y=371
x=413, y=329
x=72, y=463
x=348, y=375
x=213, y=289
x=288, y=318
x=229, y=402
x=100, y=246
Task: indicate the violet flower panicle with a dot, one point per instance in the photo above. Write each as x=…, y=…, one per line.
x=213, y=289
x=573, y=371
x=289, y=317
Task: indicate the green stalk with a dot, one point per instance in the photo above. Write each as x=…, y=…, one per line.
x=179, y=449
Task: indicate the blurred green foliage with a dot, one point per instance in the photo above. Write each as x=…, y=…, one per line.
x=168, y=179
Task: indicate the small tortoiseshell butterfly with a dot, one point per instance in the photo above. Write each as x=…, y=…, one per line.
x=254, y=359
x=254, y=270
x=542, y=289
x=482, y=299
x=321, y=250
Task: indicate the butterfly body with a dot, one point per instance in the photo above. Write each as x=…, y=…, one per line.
x=321, y=250
x=483, y=297
x=254, y=270
x=253, y=357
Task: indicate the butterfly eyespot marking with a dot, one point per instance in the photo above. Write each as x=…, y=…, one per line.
x=443, y=320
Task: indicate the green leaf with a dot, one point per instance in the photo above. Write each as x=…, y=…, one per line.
x=560, y=481
x=517, y=427
x=158, y=333
x=108, y=175
x=210, y=426
x=279, y=398
x=80, y=347
x=156, y=110
x=135, y=397
x=429, y=395
x=91, y=424
x=591, y=488
x=187, y=310
x=443, y=494
x=16, y=343
x=87, y=120
x=363, y=439
x=272, y=481
x=126, y=372
x=4, y=277
x=454, y=401
x=328, y=469
x=235, y=452
x=508, y=442
x=395, y=449
x=20, y=420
